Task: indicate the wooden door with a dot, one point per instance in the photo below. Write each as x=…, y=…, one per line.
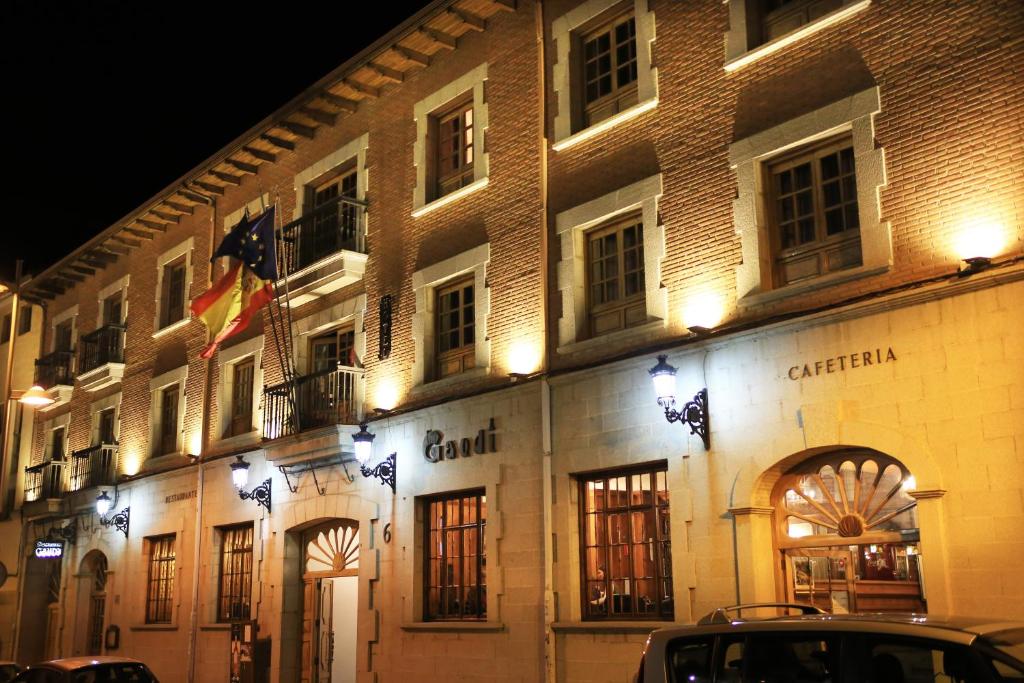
x=325, y=630
x=309, y=602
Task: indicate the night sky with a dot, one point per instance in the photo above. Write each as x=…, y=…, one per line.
x=94, y=87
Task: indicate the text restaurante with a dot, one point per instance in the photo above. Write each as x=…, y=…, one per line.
x=860, y=359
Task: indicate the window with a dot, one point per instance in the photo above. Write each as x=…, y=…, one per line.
x=172, y=296
x=106, y=426
x=781, y=657
x=454, y=152
x=168, y=428
x=328, y=351
x=241, y=397
x=626, y=553
x=25, y=320
x=813, y=212
x=779, y=17
x=57, y=443
x=112, y=309
x=332, y=222
x=160, y=584
x=62, y=335
x=689, y=659
x=609, y=69
x=235, y=573
x=455, y=328
x=5, y=330
x=456, y=571
x=615, y=271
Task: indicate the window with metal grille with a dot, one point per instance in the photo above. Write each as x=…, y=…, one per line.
x=241, y=397
x=168, y=441
x=454, y=151
x=615, y=276
x=609, y=68
x=235, y=588
x=455, y=581
x=160, y=584
x=172, y=296
x=455, y=328
x=813, y=212
x=626, y=545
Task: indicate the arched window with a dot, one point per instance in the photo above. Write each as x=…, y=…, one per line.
x=332, y=547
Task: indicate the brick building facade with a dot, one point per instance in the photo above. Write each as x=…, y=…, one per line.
x=493, y=220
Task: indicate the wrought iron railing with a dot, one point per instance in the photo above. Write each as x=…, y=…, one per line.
x=55, y=368
x=102, y=346
x=327, y=229
x=320, y=399
x=45, y=480
x=94, y=466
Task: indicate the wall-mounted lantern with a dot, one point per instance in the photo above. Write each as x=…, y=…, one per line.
x=119, y=521
x=240, y=477
x=694, y=413
x=363, y=445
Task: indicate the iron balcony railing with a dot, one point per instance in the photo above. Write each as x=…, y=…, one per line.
x=55, y=368
x=45, y=480
x=320, y=399
x=102, y=346
x=327, y=229
x=94, y=466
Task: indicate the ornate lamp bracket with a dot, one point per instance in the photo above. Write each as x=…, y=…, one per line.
x=261, y=494
x=119, y=521
x=694, y=414
x=384, y=471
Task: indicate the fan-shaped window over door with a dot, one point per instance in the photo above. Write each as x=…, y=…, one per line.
x=847, y=528
x=330, y=567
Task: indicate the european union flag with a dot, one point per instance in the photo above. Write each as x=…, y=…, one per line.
x=252, y=243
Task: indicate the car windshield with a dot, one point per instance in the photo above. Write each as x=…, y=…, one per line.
x=113, y=673
x=1010, y=642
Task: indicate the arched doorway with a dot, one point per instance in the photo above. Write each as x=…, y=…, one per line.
x=92, y=591
x=40, y=610
x=330, y=584
x=848, y=534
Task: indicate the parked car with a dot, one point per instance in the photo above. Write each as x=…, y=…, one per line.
x=98, y=669
x=831, y=648
x=8, y=670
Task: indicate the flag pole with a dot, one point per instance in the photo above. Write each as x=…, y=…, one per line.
x=285, y=346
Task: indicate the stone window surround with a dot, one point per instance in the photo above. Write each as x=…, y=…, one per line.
x=472, y=81
x=48, y=428
x=227, y=358
x=355, y=149
x=98, y=406
x=737, y=52
x=854, y=114
x=177, y=376
x=68, y=313
x=562, y=30
x=571, y=227
x=165, y=258
x=349, y=311
x=119, y=285
x=424, y=282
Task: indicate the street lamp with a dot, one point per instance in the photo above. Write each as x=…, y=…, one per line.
x=34, y=396
x=385, y=470
x=240, y=477
x=694, y=413
x=119, y=521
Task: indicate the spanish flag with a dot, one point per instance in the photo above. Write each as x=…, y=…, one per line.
x=230, y=304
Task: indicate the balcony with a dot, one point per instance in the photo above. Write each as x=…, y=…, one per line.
x=102, y=361
x=44, y=488
x=324, y=250
x=54, y=373
x=93, y=466
x=321, y=407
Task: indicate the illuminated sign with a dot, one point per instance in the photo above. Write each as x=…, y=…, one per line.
x=436, y=449
x=46, y=550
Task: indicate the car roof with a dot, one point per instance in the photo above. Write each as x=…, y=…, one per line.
x=74, y=663
x=952, y=628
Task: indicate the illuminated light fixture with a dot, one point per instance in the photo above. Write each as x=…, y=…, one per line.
x=383, y=471
x=694, y=413
x=978, y=241
x=703, y=311
x=119, y=521
x=240, y=477
x=35, y=396
x=975, y=264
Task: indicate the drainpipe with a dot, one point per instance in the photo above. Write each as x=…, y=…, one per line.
x=550, y=667
x=8, y=469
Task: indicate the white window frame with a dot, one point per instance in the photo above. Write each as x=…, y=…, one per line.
x=227, y=359
x=747, y=157
x=184, y=248
x=424, y=284
x=69, y=313
x=473, y=81
x=120, y=285
x=571, y=227
x=177, y=376
x=567, y=91
x=97, y=407
x=738, y=52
